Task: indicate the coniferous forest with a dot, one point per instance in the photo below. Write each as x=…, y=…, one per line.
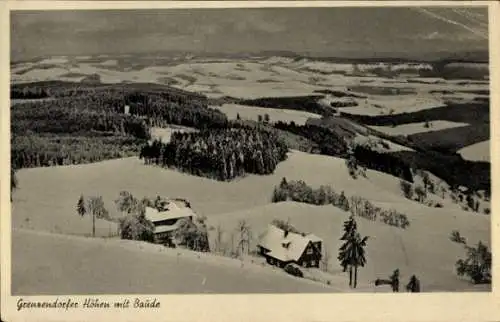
x=77, y=123
x=221, y=154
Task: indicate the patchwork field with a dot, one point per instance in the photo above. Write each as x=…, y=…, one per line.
x=252, y=78
x=419, y=127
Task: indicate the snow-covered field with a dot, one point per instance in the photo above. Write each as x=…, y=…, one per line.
x=378, y=105
x=419, y=127
x=423, y=249
x=477, y=152
x=47, y=197
x=275, y=115
x=253, y=78
x=52, y=264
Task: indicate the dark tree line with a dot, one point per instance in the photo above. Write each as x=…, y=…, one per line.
x=55, y=88
x=221, y=154
x=464, y=112
x=382, y=162
x=28, y=151
x=159, y=104
x=338, y=93
x=452, y=169
x=328, y=142
x=64, y=116
x=445, y=69
x=66, y=131
x=28, y=93
x=302, y=103
x=162, y=111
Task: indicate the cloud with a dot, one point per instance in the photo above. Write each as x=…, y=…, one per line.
x=257, y=22
x=433, y=35
x=324, y=31
x=471, y=27
x=456, y=37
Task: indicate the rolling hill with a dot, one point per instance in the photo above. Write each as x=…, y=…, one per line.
x=385, y=113
x=423, y=249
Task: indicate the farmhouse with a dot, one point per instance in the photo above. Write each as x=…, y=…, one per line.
x=281, y=247
x=166, y=222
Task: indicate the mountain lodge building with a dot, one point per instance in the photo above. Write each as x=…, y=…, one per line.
x=281, y=247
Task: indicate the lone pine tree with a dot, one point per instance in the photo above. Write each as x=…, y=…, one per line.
x=352, y=252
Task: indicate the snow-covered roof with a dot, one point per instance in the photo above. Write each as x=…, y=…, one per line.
x=288, y=248
x=173, y=211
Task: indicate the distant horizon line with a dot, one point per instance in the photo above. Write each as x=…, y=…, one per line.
x=475, y=55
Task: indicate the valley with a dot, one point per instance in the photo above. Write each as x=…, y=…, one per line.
x=399, y=126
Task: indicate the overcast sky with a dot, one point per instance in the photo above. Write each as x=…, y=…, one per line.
x=318, y=31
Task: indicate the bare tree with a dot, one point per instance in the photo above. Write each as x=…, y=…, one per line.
x=218, y=239
x=421, y=193
x=244, y=232
x=95, y=207
x=231, y=250
x=356, y=205
x=326, y=259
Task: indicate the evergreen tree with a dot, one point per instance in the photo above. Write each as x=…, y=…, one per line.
x=413, y=285
x=283, y=183
x=394, y=278
x=352, y=253
x=352, y=162
x=266, y=118
x=477, y=265
x=80, y=206
x=343, y=202
x=407, y=189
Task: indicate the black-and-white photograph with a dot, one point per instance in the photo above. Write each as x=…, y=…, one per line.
x=250, y=150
